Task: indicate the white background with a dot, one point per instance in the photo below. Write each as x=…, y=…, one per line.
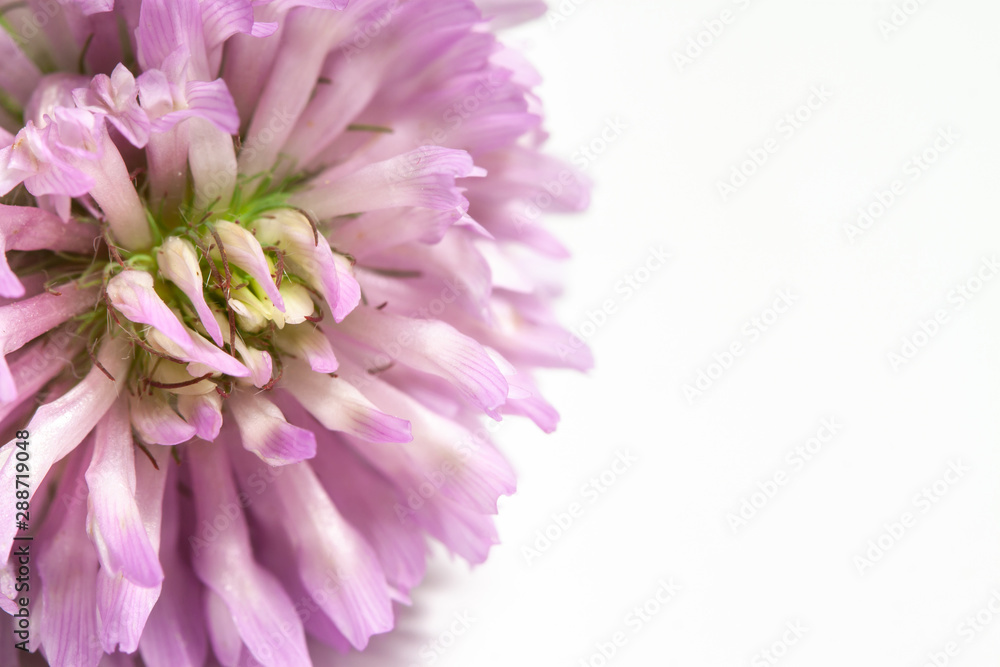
x=796, y=561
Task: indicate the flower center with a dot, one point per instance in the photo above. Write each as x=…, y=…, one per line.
x=216, y=302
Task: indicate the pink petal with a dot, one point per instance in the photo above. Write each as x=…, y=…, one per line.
x=156, y=423
x=244, y=251
x=178, y=263
x=19, y=76
x=462, y=529
x=66, y=616
x=113, y=518
x=222, y=630
x=115, y=96
x=38, y=364
x=423, y=178
x=123, y=605
x=156, y=97
x=367, y=501
x=258, y=361
x=200, y=352
x=265, y=432
x=349, y=290
x=89, y=7
x=212, y=162
x=259, y=606
x=339, y=406
x=307, y=39
x=31, y=228
x=10, y=286
x=8, y=652
x=212, y=101
x=58, y=427
x=456, y=462
x=203, y=412
x=312, y=258
x=285, y=5
x=530, y=403
x=174, y=635
x=275, y=556
x=39, y=161
x=25, y=320
x=225, y=18
x=208, y=100
x=433, y=347
x=166, y=26
x=523, y=175
x=326, y=546
x=309, y=343
x=124, y=609
x=376, y=230
x=131, y=293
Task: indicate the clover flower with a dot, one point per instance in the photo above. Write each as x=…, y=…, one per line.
x=265, y=265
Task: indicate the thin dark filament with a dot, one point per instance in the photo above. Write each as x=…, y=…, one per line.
x=225, y=286
x=148, y=455
x=99, y=365
x=176, y=385
x=273, y=381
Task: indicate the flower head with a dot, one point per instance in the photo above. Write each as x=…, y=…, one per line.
x=264, y=266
